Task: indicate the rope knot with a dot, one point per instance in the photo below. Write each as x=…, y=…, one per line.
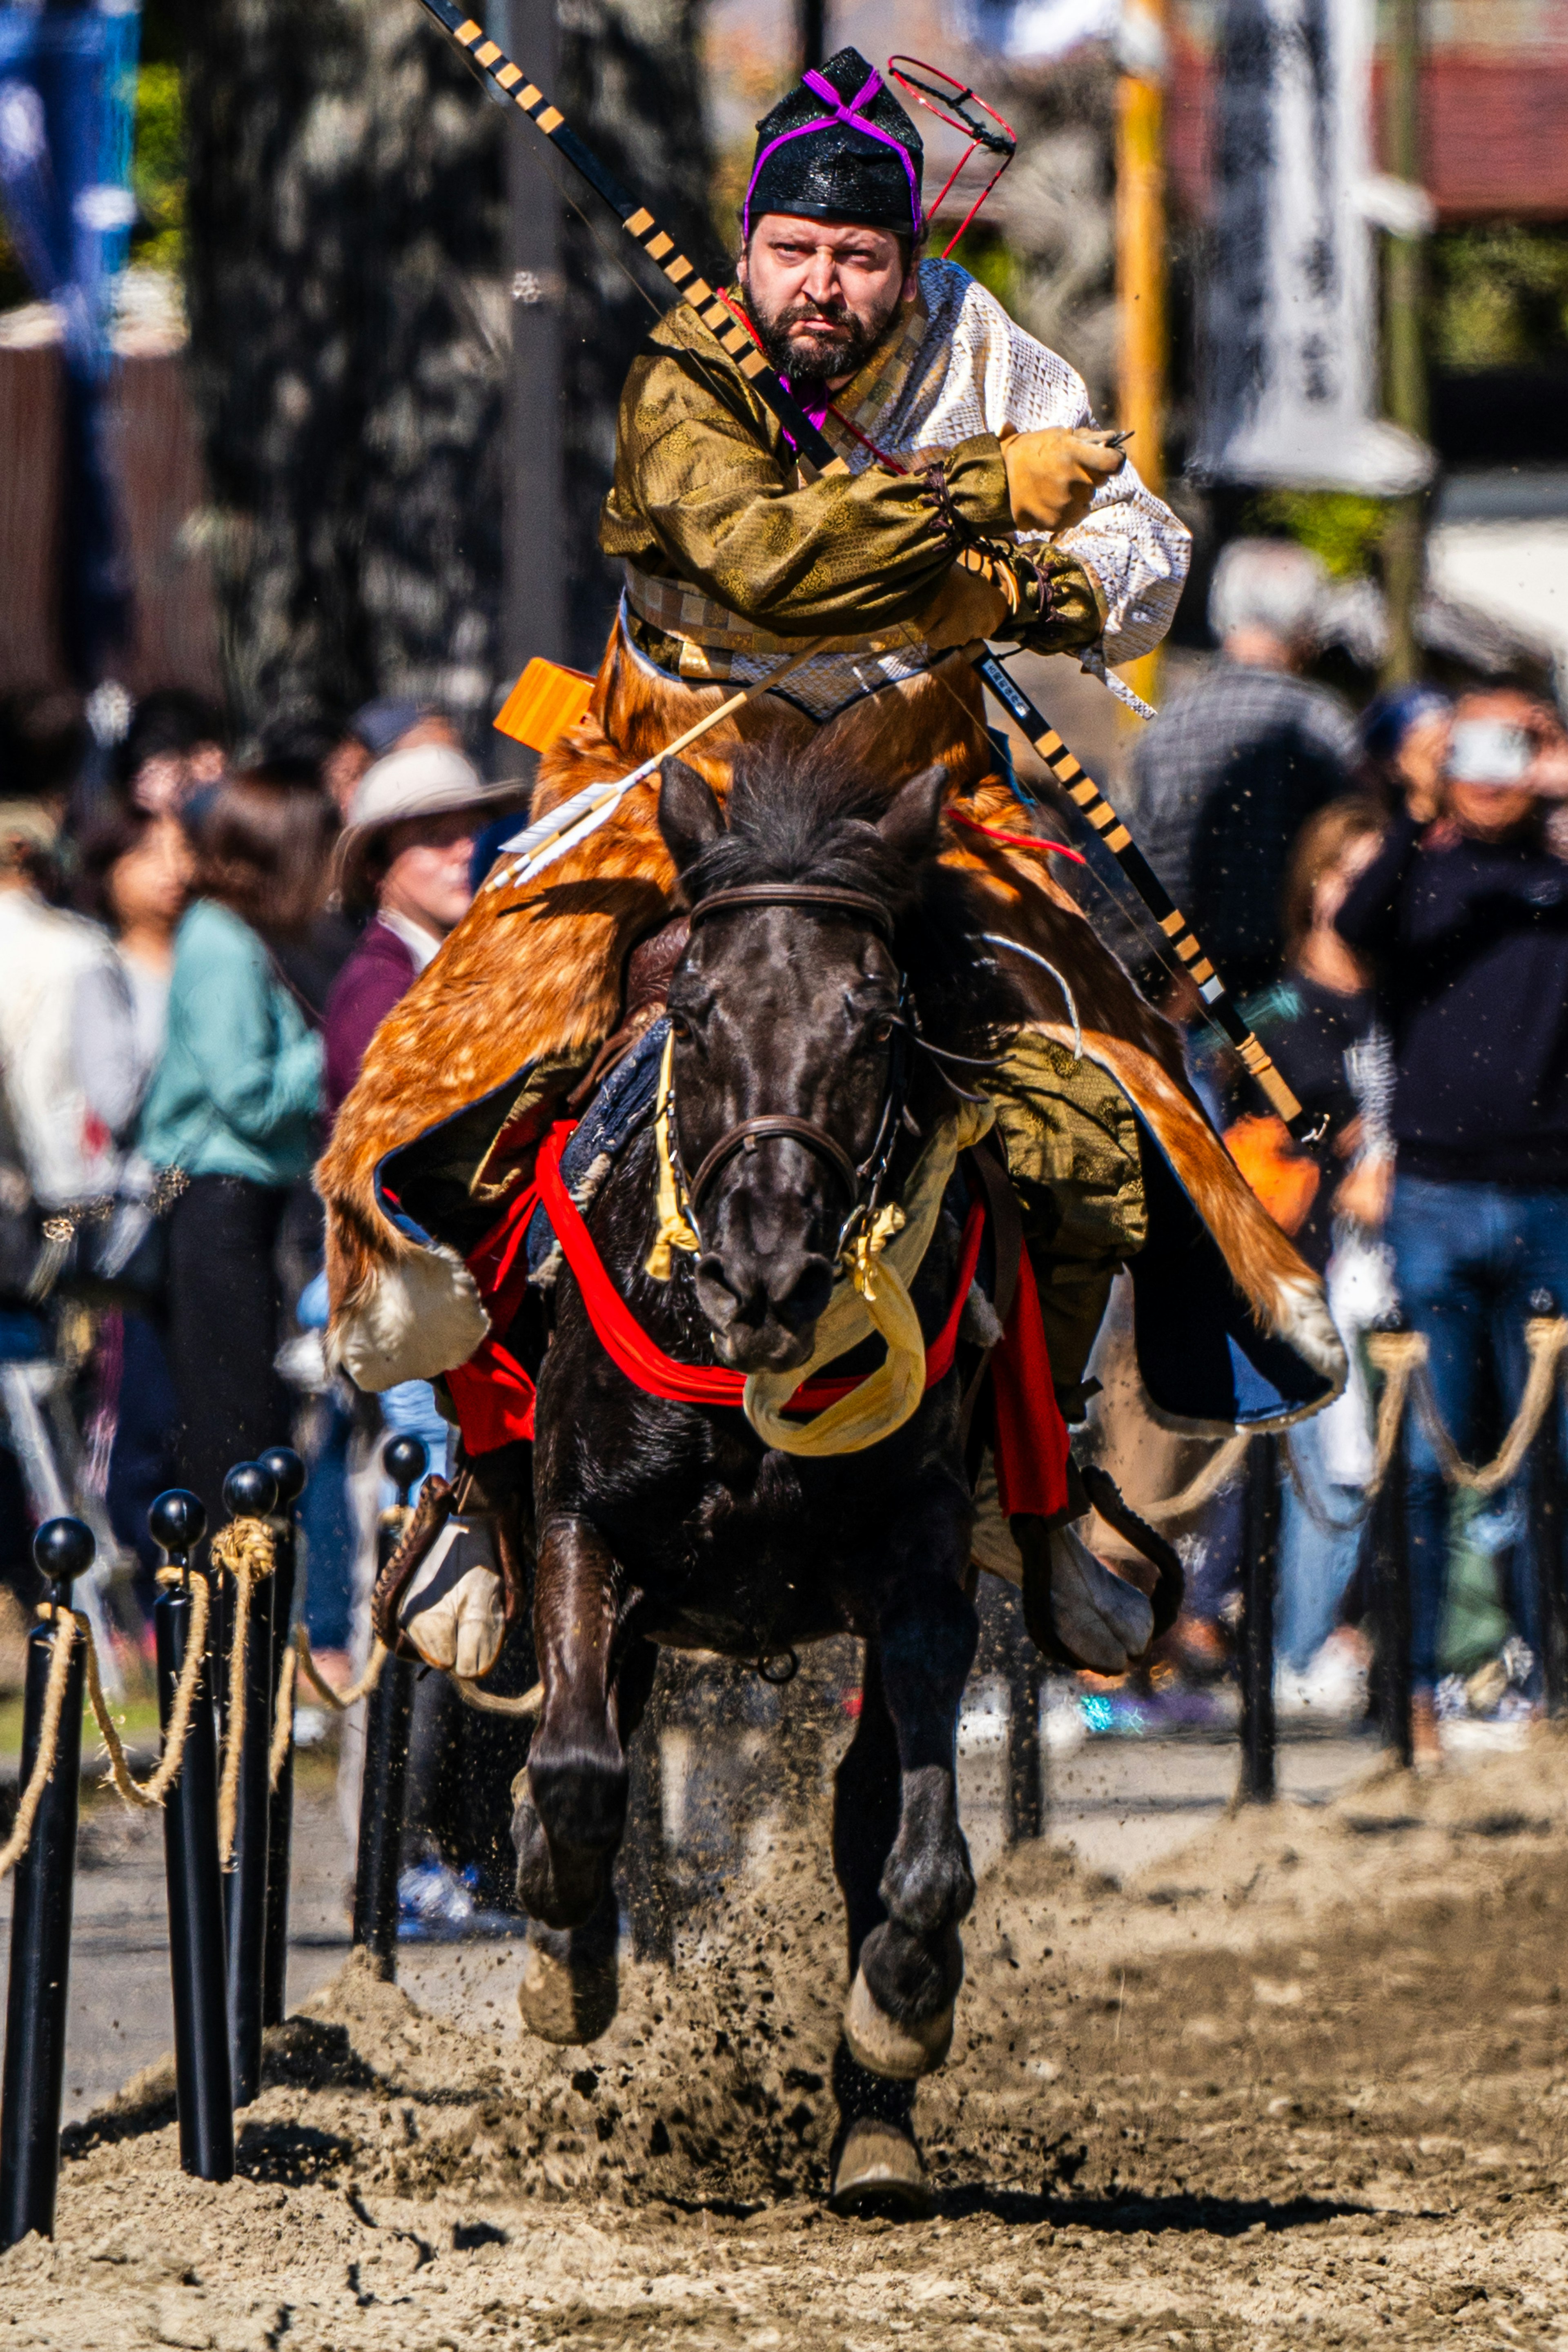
x=869, y=1245
x=245, y=1548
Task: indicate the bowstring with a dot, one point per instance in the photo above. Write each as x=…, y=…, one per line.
x=544, y=163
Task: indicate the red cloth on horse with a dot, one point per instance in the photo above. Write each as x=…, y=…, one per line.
x=495, y=1397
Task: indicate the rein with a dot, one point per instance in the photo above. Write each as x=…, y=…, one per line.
x=645, y=1363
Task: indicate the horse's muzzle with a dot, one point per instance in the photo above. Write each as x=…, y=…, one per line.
x=762, y=1312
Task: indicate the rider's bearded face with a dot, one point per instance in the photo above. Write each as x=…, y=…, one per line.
x=822, y=292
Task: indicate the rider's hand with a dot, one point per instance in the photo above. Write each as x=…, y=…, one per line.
x=1052, y=476
x=966, y=607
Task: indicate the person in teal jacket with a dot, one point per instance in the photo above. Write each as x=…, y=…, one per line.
x=235, y=1104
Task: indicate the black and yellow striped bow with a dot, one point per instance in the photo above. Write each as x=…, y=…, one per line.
x=815, y=456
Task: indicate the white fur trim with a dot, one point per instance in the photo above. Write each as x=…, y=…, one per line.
x=1301, y=1316
x=422, y=1318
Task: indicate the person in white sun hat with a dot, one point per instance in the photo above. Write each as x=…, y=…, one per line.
x=405, y=856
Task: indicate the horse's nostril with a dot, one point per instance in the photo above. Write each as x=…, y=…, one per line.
x=799, y=1296
x=720, y=1302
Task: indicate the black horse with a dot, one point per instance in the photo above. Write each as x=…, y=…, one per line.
x=832, y=999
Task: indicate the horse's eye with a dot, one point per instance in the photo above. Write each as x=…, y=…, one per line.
x=681, y=1026
x=881, y=1033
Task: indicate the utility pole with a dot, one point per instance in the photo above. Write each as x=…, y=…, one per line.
x=812, y=32
x=1141, y=268
x=1405, y=537
x=534, y=607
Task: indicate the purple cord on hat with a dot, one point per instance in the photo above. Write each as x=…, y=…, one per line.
x=856, y=121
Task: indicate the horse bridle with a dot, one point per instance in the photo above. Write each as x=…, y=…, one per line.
x=863, y=1183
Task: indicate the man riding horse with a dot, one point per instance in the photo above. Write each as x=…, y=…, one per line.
x=958, y=431
x=975, y=500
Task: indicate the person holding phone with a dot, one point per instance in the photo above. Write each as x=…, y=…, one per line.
x=1465, y=916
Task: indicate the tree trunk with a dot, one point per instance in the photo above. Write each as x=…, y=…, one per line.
x=631, y=86
x=350, y=324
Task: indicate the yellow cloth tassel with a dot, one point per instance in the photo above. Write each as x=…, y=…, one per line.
x=675, y=1229
x=862, y=1303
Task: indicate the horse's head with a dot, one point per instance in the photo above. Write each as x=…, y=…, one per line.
x=791, y=1027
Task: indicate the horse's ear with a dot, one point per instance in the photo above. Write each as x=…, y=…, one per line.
x=689, y=817
x=914, y=820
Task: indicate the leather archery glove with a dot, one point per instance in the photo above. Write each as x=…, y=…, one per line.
x=1052, y=476
x=966, y=607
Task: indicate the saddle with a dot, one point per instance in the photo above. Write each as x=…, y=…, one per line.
x=455, y=1583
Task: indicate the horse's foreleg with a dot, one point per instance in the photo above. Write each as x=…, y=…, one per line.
x=909, y=1962
x=572, y=1807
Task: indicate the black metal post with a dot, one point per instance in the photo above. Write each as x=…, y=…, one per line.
x=389, y=1711
x=203, y=2083
x=288, y=1474
x=1547, y=1560
x=1259, y=1564
x=248, y=1492
x=41, y=1918
x=1024, y=1810
x=1391, y=1581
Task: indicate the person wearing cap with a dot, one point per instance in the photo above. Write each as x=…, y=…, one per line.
x=392, y=722
x=1464, y=913
x=407, y=852
x=1404, y=745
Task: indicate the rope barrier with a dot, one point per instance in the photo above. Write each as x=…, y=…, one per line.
x=32, y=1796
x=301, y=1660
x=341, y=1700
x=245, y=1549
x=484, y=1702
x=1217, y=1471
x=1545, y=1339
x=1402, y=1357
x=150, y=1793
x=283, y=1718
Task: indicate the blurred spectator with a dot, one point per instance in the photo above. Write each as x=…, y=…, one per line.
x=44, y=956
x=42, y=742
x=1403, y=741
x=173, y=748
x=51, y=1155
x=404, y=860
x=1227, y=776
x=1316, y=1024
x=390, y=724
x=1467, y=920
x=308, y=959
x=406, y=853
x=235, y=1102
x=134, y=873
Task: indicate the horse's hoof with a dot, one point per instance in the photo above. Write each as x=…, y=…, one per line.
x=880, y=2172
x=883, y=2046
x=567, y=2001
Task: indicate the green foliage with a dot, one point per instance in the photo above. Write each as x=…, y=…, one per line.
x=1499, y=296
x=1341, y=527
x=986, y=255
x=158, y=170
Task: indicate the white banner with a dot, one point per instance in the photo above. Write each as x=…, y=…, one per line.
x=1289, y=379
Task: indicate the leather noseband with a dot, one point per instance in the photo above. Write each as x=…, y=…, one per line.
x=747, y=1134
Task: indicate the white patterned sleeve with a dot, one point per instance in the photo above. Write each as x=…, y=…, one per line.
x=1129, y=539
x=1138, y=551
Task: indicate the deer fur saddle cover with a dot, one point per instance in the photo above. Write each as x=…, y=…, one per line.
x=504, y=1024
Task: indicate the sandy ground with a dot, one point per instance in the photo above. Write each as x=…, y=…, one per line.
x=1303, y=2082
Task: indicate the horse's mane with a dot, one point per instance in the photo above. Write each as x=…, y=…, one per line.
x=811, y=817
